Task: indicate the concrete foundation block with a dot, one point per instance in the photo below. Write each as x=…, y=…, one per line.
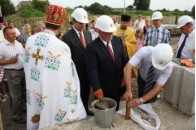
x=173, y=85
x=187, y=95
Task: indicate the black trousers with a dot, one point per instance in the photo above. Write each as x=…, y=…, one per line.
x=141, y=84
x=85, y=92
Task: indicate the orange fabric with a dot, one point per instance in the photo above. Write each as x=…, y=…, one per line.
x=98, y=94
x=187, y=63
x=56, y=15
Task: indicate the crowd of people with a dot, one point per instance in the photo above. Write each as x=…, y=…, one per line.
x=49, y=75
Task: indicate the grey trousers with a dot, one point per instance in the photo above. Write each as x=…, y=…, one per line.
x=17, y=90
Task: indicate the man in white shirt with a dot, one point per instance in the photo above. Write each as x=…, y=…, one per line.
x=154, y=70
x=186, y=44
x=11, y=58
x=139, y=23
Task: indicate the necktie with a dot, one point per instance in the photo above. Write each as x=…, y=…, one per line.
x=181, y=47
x=110, y=51
x=149, y=80
x=82, y=40
x=155, y=37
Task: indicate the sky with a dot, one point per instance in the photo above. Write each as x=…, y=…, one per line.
x=155, y=4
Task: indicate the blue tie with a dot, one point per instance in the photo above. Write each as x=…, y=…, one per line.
x=181, y=47
x=149, y=80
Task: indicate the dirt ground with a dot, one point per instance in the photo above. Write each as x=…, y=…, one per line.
x=171, y=119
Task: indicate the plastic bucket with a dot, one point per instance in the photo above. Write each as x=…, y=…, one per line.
x=104, y=118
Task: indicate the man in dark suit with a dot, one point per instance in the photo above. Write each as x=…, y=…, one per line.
x=105, y=59
x=77, y=39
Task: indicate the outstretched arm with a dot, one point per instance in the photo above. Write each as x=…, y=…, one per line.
x=127, y=77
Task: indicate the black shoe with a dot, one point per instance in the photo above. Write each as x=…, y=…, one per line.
x=20, y=120
x=90, y=113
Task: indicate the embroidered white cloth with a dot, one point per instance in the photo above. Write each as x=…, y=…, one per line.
x=53, y=88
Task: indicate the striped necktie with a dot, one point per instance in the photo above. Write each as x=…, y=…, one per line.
x=110, y=51
x=149, y=80
x=181, y=47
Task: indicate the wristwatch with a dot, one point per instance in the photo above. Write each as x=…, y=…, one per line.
x=141, y=101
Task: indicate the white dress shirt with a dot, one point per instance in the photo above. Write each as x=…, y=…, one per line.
x=189, y=45
x=139, y=24
x=8, y=50
x=143, y=59
x=110, y=44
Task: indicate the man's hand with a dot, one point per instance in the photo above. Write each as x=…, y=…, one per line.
x=99, y=94
x=127, y=95
x=13, y=60
x=134, y=103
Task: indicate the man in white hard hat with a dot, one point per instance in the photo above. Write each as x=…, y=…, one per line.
x=157, y=33
x=155, y=68
x=105, y=59
x=77, y=39
x=186, y=44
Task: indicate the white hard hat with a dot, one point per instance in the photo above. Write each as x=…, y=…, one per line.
x=105, y=24
x=184, y=20
x=162, y=56
x=80, y=15
x=157, y=15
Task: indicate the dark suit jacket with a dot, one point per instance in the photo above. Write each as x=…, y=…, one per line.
x=101, y=70
x=77, y=50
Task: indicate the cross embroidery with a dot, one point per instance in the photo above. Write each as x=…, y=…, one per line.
x=37, y=56
x=123, y=36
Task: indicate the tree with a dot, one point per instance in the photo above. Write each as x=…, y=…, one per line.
x=130, y=7
x=7, y=7
x=176, y=10
x=164, y=10
x=193, y=11
x=97, y=8
x=40, y=5
x=141, y=4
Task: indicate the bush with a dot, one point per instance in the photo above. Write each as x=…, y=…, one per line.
x=26, y=13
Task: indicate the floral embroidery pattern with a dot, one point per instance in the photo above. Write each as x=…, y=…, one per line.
x=41, y=40
x=70, y=93
x=67, y=90
x=60, y=115
x=39, y=100
x=73, y=99
x=27, y=55
x=73, y=69
x=35, y=74
x=52, y=62
x=28, y=97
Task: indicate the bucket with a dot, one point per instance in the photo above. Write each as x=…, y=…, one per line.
x=104, y=118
